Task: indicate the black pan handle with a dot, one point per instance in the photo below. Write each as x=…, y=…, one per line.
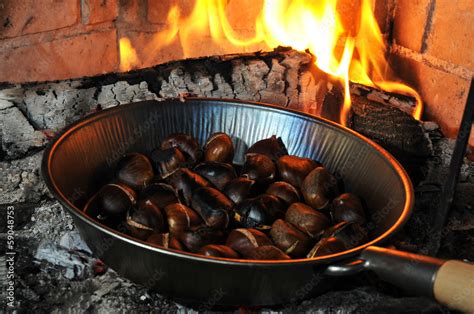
x=450, y=282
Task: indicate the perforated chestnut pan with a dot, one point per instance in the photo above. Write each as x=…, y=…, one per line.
x=81, y=159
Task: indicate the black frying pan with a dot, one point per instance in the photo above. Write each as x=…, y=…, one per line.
x=81, y=159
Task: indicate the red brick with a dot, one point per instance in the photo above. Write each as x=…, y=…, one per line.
x=383, y=10
x=34, y=16
x=444, y=95
x=451, y=36
x=158, y=9
x=98, y=11
x=410, y=22
x=133, y=12
x=83, y=55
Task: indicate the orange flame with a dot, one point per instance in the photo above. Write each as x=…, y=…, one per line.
x=313, y=25
x=128, y=55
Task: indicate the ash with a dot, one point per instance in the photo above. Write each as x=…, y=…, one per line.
x=55, y=270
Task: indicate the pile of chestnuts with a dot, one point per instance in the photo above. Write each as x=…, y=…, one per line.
x=273, y=207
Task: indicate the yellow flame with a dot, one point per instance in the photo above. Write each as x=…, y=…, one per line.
x=128, y=55
x=301, y=24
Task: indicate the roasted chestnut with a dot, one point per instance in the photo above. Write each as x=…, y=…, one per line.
x=306, y=219
x=197, y=237
x=165, y=240
x=284, y=191
x=181, y=218
x=144, y=220
x=135, y=170
x=275, y=206
x=166, y=161
x=348, y=207
x=260, y=168
x=259, y=212
x=239, y=189
x=326, y=246
x=160, y=194
x=115, y=199
x=194, y=210
x=110, y=205
x=294, y=169
x=217, y=173
x=186, y=182
x=289, y=239
x=243, y=240
x=272, y=147
x=219, y=148
x=267, y=252
x=186, y=144
x=317, y=187
x=349, y=233
x=213, y=207
x=218, y=251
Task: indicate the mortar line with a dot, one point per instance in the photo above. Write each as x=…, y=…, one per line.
x=428, y=26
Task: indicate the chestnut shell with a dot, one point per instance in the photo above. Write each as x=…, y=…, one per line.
x=116, y=199
x=165, y=240
x=239, y=189
x=306, y=219
x=272, y=147
x=294, y=169
x=267, y=252
x=166, y=161
x=259, y=168
x=259, y=212
x=219, y=174
x=145, y=220
x=186, y=182
x=199, y=236
x=284, y=191
x=326, y=246
x=110, y=205
x=348, y=207
x=242, y=240
x=218, y=250
x=317, y=187
x=181, y=218
x=135, y=170
x=219, y=148
x=289, y=239
x=160, y=194
x=186, y=144
x=213, y=207
x=349, y=233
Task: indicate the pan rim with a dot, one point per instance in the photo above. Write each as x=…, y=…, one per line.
x=386, y=156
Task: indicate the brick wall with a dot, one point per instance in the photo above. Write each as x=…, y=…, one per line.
x=433, y=50
x=41, y=40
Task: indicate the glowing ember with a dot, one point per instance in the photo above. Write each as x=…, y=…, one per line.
x=356, y=55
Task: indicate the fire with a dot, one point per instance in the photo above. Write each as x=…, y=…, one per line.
x=128, y=55
x=350, y=55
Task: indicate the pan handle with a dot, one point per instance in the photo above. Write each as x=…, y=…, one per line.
x=450, y=282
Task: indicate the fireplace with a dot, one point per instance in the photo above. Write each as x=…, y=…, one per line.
x=61, y=61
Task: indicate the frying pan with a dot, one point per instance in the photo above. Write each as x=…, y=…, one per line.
x=83, y=157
